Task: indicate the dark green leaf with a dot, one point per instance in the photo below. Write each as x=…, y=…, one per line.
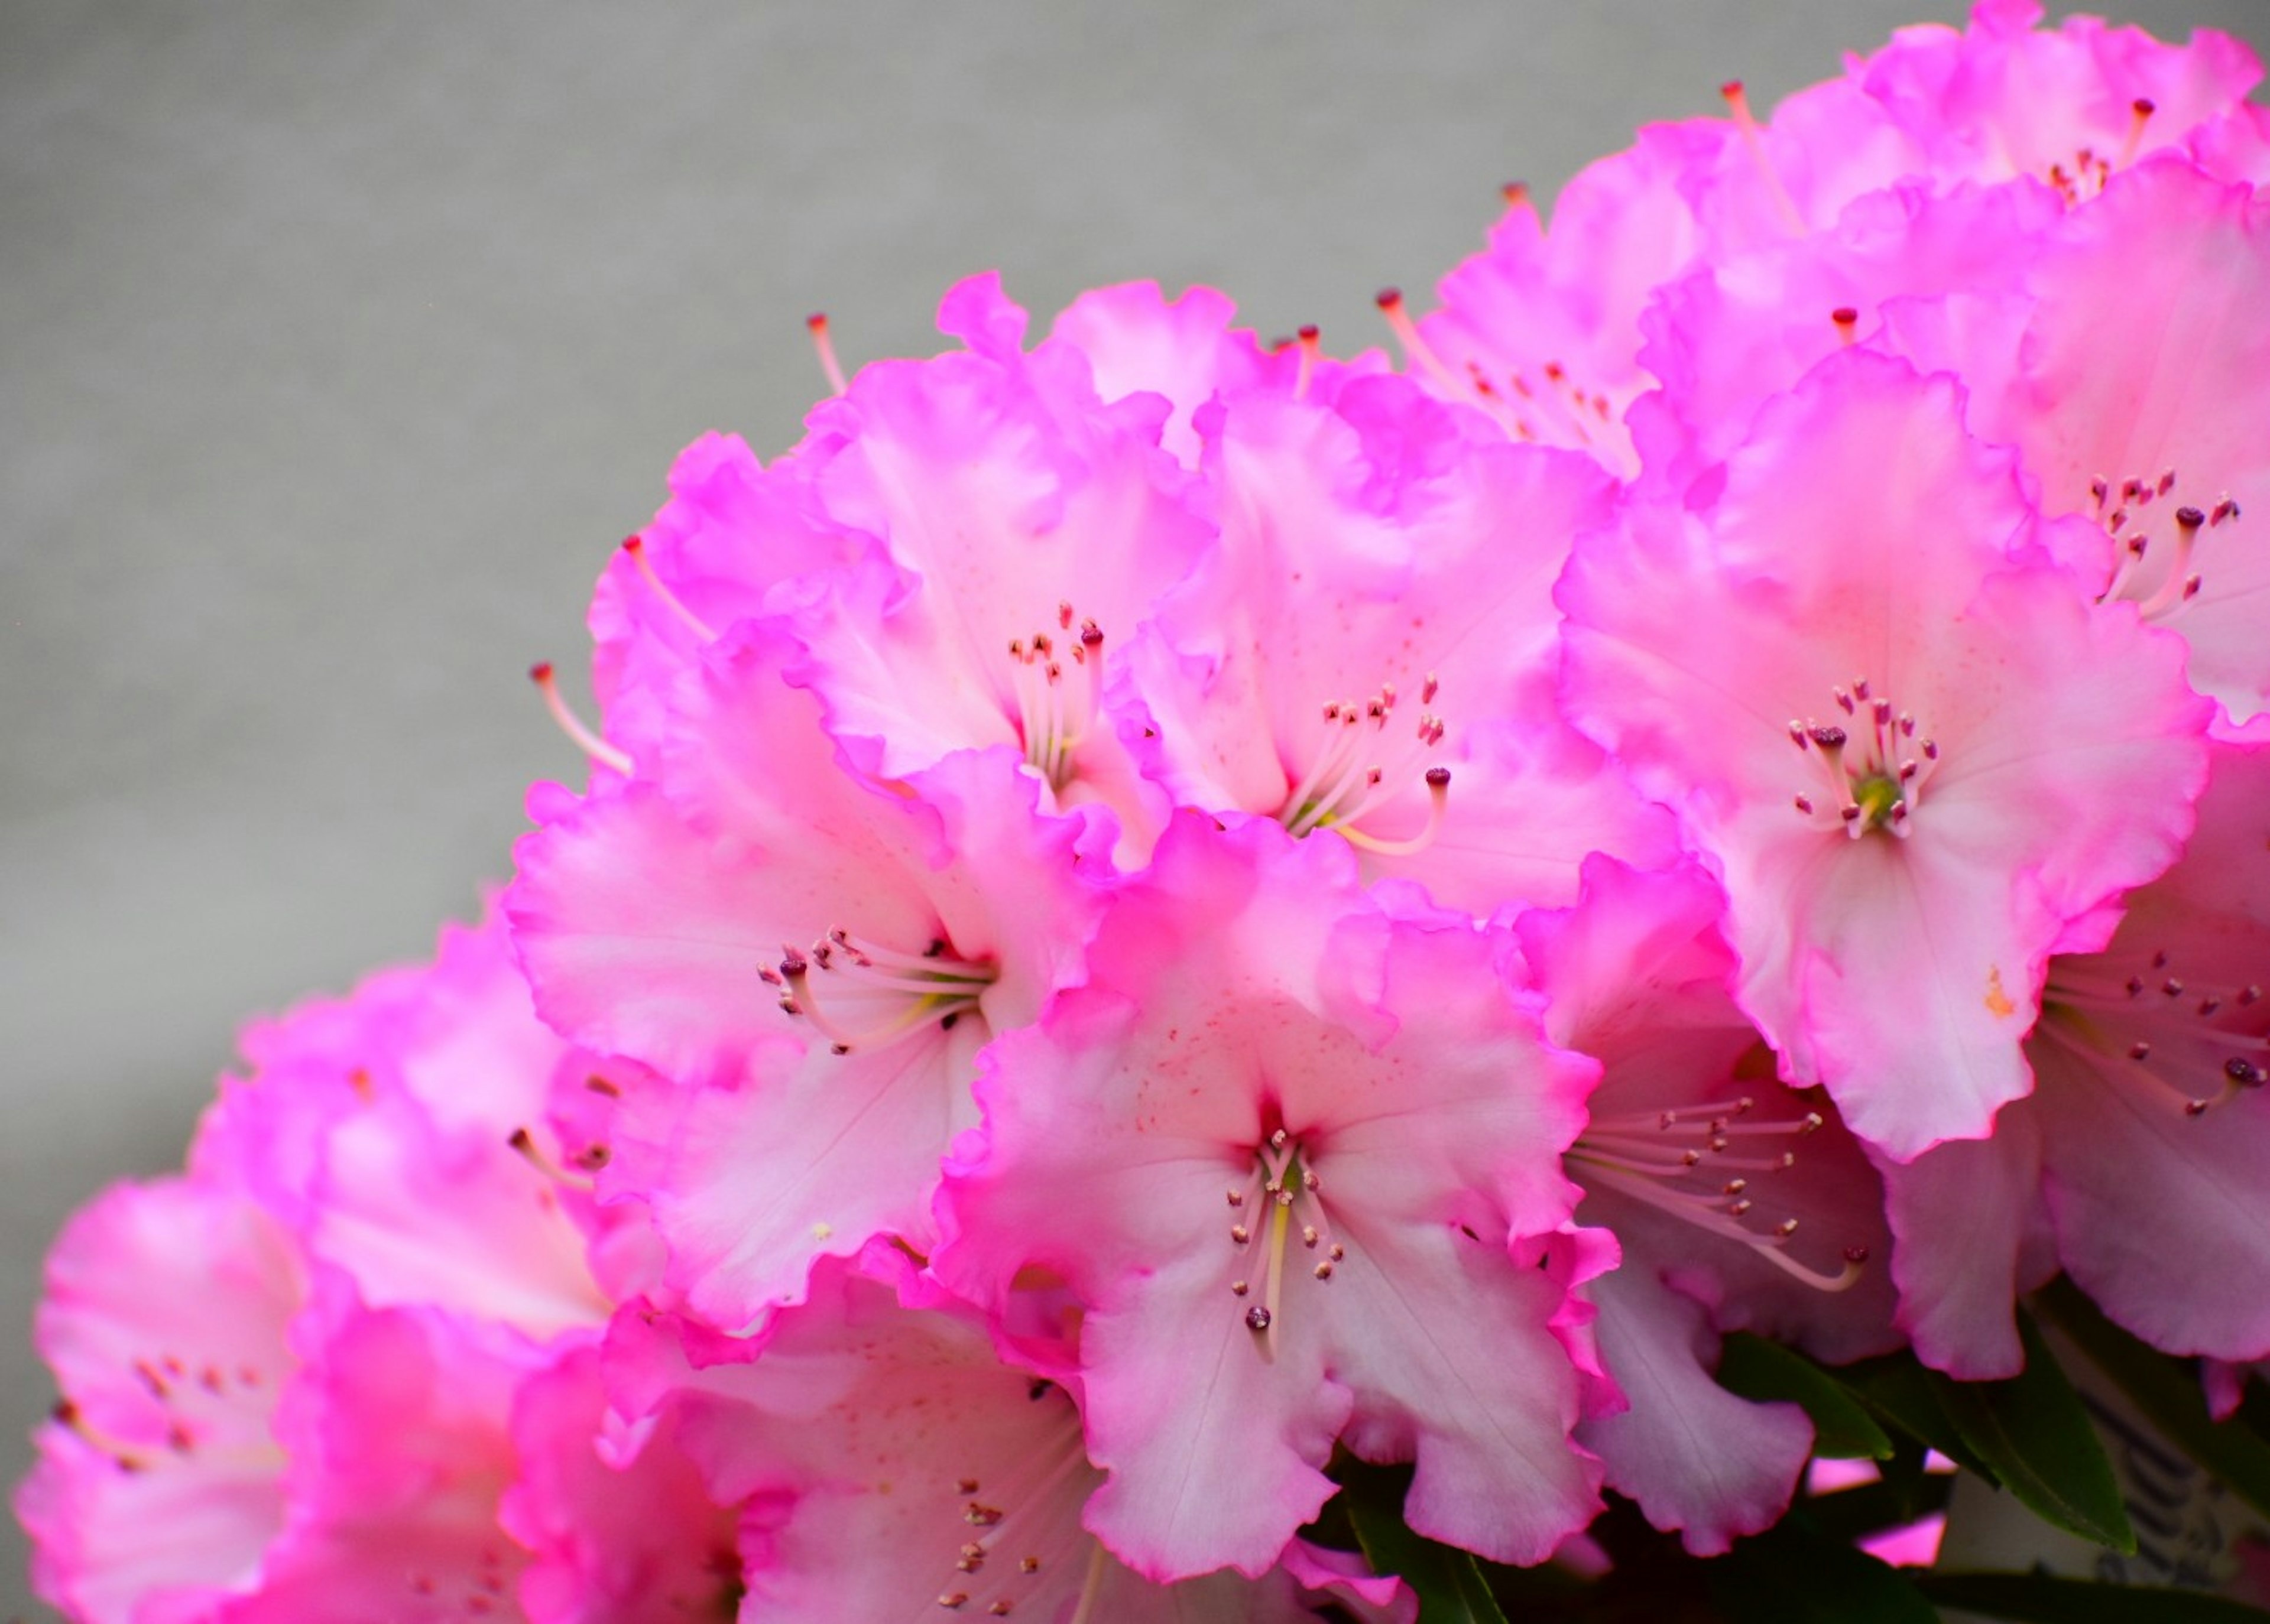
x=1903, y=1392
x=2038, y=1598
x=2034, y=1431
x=1791, y=1575
x=1447, y=1583
x=2168, y=1391
x=1753, y=1367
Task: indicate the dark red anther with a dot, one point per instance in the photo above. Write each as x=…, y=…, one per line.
x=1438, y=777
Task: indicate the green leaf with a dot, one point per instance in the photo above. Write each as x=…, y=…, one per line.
x=1791, y=1575
x=2038, y=1598
x=2167, y=1390
x=1903, y=1391
x=1753, y=1368
x=1447, y=1581
x=2034, y=1431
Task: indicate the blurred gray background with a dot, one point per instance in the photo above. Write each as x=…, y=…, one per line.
x=340, y=344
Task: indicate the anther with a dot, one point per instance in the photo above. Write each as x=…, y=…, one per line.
x=1324, y=1271
x=1257, y=1318
x=2244, y=1072
x=1309, y=1236
x=1240, y=1233
x=1236, y=1197
x=1848, y=322
x=1238, y=1289
x=1856, y=1255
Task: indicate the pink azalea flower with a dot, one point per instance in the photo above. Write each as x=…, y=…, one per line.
x=396, y=1432
x=1025, y=530
x=2068, y=106
x=2142, y=378
x=382, y=1128
x=1920, y=759
x=808, y=962
x=1299, y=1162
x=159, y=1484
x=2146, y=1132
x=1372, y=653
x=886, y=1464
x=615, y=1541
x=1733, y=1202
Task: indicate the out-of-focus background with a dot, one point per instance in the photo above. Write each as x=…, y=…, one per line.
x=338, y=344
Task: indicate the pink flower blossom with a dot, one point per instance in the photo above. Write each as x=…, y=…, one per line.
x=159, y=1484
x=1299, y=1162
x=632, y=1540
x=1733, y=1202
x=1372, y=653
x=2145, y=1137
x=884, y=1463
x=1920, y=759
x=805, y=959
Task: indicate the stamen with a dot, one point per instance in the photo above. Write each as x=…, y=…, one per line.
x=524, y=1143
x=1737, y=108
x=824, y=345
x=1416, y=350
x=591, y=744
x=1055, y=709
x=1848, y=324
x=129, y=1457
x=2142, y=107
x=1310, y=350
x=914, y=992
x=1638, y=1155
x=636, y=548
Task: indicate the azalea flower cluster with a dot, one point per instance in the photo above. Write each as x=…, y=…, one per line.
x=1154, y=910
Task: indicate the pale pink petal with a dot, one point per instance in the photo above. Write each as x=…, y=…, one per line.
x=1971, y=1237
x=1695, y=1457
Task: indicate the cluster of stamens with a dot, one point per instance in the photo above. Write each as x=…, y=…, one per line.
x=1517, y=403
x=1281, y=1199
x=200, y=1401
x=876, y=995
x=2203, y=1046
x=2086, y=174
x=2155, y=573
x=1056, y=708
x=1358, y=766
x=1016, y=1542
x=1872, y=771
x=1699, y=1164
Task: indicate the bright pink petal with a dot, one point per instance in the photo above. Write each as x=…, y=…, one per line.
x=640, y=1543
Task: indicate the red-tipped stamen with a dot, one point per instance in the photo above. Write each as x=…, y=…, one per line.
x=824, y=344
x=591, y=744
x=1737, y=108
x=636, y=547
x=2141, y=110
x=1848, y=324
x=524, y=1145
x=1311, y=348
x=1438, y=802
x=1416, y=350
